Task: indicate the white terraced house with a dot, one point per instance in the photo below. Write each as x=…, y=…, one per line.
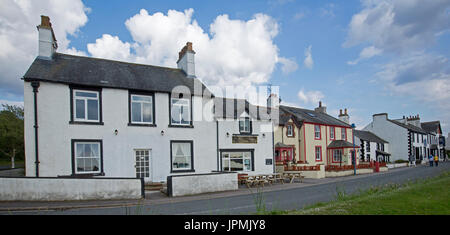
x=95, y=117
x=405, y=136
x=89, y=117
x=245, y=137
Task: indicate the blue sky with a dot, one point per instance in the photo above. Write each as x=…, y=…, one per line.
x=403, y=49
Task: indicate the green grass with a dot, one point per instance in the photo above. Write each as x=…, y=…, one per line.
x=7, y=162
x=424, y=197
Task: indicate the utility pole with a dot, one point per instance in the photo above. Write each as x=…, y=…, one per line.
x=354, y=150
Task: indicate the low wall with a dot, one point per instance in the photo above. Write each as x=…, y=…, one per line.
x=64, y=189
x=397, y=165
x=183, y=185
x=349, y=172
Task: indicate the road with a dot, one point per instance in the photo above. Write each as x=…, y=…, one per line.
x=287, y=199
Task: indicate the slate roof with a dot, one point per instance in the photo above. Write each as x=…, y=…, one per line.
x=233, y=108
x=79, y=70
x=306, y=115
x=369, y=136
x=431, y=127
x=340, y=144
x=409, y=126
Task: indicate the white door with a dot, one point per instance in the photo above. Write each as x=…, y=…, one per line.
x=142, y=157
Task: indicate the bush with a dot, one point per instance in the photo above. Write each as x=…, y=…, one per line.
x=401, y=161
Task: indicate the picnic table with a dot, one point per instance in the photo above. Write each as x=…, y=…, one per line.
x=257, y=180
x=292, y=175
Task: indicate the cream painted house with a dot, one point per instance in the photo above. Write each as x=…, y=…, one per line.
x=312, y=137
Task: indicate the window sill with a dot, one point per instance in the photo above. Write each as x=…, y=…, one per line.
x=85, y=123
x=245, y=134
x=87, y=175
x=142, y=125
x=181, y=171
x=181, y=126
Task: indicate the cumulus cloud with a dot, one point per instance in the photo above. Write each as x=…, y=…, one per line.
x=423, y=77
x=19, y=37
x=110, y=47
x=399, y=26
x=233, y=53
x=308, y=62
x=310, y=97
x=366, y=53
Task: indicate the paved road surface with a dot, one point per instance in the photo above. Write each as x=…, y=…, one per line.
x=287, y=199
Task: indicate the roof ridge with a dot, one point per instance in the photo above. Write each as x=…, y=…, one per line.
x=117, y=61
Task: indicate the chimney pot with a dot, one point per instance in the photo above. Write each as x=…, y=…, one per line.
x=345, y=112
x=320, y=103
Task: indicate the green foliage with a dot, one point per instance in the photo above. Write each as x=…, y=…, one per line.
x=11, y=132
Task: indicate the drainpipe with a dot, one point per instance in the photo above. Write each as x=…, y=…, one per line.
x=217, y=143
x=35, y=86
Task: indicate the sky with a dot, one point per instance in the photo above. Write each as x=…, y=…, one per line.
x=386, y=56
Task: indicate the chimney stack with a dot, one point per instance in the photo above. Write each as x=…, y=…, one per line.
x=321, y=109
x=47, y=39
x=186, y=60
x=344, y=116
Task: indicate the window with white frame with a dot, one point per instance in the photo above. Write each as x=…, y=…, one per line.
x=318, y=153
x=237, y=161
x=290, y=130
x=337, y=155
x=316, y=131
x=343, y=134
x=87, y=157
x=332, y=132
x=181, y=156
x=244, y=125
x=180, y=111
x=141, y=109
x=86, y=106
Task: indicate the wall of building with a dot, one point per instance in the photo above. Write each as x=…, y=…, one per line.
x=62, y=189
x=198, y=184
x=55, y=134
x=281, y=137
x=263, y=149
x=396, y=136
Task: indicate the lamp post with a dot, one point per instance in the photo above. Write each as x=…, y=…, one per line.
x=354, y=150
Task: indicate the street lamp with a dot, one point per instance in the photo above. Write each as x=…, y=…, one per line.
x=354, y=151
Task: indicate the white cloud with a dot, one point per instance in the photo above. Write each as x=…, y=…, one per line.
x=308, y=62
x=235, y=52
x=399, y=26
x=425, y=78
x=19, y=36
x=310, y=97
x=366, y=53
x=288, y=65
x=110, y=47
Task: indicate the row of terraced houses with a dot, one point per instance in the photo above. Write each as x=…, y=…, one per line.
x=89, y=117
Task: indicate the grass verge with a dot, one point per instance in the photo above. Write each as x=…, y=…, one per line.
x=422, y=197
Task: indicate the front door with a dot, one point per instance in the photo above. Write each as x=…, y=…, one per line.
x=142, y=157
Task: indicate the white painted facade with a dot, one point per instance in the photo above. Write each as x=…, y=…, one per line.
x=262, y=150
x=370, y=153
x=396, y=135
x=56, y=134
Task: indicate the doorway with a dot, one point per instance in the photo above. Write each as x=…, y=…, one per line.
x=142, y=160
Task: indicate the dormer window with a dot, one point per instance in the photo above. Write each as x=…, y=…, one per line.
x=290, y=130
x=245, y=124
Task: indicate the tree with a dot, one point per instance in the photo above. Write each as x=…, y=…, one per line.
x=11, y=132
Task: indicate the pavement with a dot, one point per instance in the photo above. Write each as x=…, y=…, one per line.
x=277, y=196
